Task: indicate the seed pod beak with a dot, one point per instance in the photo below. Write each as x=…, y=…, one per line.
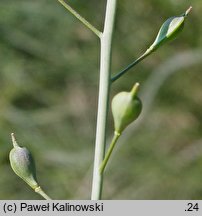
x=188, y=11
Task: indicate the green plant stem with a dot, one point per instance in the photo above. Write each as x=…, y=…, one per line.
x=103, y=98
x=42, y=193
x=80, y=18
x=108, y=154
x=121, y=73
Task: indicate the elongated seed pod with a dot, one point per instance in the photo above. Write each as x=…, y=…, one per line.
x=126, y=107
x=170, y=30
x=23, y=164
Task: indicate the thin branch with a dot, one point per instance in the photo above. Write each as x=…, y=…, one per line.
x=80, y=18
x=122, y=72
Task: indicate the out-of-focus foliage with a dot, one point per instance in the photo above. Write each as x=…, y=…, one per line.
x=49, y=74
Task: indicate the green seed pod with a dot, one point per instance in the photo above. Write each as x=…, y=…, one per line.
x=126, y=107
x=23, y=164
x=169, y=30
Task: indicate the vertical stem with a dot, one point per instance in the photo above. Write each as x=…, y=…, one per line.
x=103, y=100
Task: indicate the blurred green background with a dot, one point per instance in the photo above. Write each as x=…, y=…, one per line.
x=49, y=74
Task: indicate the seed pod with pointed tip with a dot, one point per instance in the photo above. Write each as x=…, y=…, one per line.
x=169, y=30
x=126, y=107
x=23, y=164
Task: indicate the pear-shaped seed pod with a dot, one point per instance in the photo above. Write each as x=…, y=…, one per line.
x=126, y=107
x=23, y=164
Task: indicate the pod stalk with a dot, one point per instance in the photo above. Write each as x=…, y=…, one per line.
x=109, y=152
x=42, y=193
